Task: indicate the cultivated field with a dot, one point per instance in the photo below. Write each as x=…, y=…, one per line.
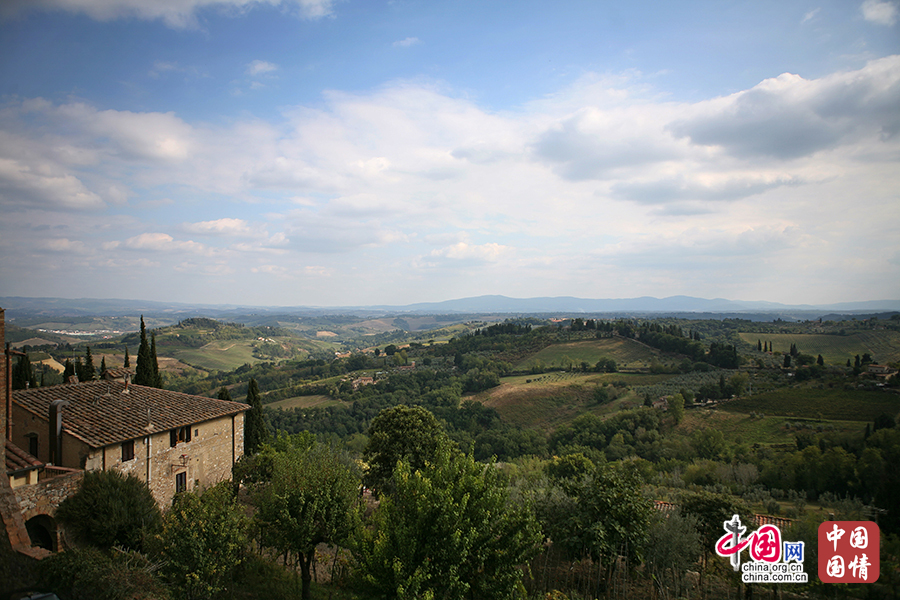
x=627, y=353
x=222, y=355
x=319, y=401
x=884, y=346
x=552, y=399
x=808, y=403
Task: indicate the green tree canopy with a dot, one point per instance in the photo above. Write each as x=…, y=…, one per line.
x=256, y=433
x=304, y=494
x=410, y=433
x=447, y=530
x=146, y=371
x=110, y=509
x=601, y=515
x=202, y=541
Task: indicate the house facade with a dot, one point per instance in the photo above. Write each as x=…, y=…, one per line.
x=174, y=442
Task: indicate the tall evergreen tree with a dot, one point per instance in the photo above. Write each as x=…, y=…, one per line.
x=88, y=371
x=102, y=365
x=127, y=358
x=23, y=375
x=69, y=370
x=255, y=431
x=157, y=378
x=143, y=374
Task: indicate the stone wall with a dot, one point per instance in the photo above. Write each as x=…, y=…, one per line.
x=205, y=460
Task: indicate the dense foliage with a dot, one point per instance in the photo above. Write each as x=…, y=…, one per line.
x=110, y=509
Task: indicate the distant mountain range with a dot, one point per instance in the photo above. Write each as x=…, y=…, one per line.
x=696, y=307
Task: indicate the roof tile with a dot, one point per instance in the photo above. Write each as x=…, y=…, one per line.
x=103, y=412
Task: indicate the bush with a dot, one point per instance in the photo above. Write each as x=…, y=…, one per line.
x=110, y=509
x=93, y=574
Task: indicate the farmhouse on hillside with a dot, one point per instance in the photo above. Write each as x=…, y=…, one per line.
x=173, y=441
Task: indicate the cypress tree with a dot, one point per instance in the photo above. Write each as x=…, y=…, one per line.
x=255, y=431
x=157, y=379
x=69, y=370
x=102, y=365
x=143, y=374
x=88, y=371
x=127, y=358
x=23, y=375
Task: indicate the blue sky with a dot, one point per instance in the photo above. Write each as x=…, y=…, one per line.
x=326, y=152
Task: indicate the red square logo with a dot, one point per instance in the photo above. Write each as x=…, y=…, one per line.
x=849, y=551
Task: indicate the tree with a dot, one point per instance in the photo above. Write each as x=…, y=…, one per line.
x=127, y=358
x=110, y=509
x=602, y=515
x=145, y=372
x=673, y=547
x=223, y=394
x=676, y=407
x=787, y=361
x=256, y=433
x=23, y=374
x=304, y=496
x=447, y=530
x=87, y=372
x=820, y=361
x=103, y=365
x=154, y=363
x=202, y=541
x=403, y=432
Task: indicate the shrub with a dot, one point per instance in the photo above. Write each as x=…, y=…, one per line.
x=110, y=509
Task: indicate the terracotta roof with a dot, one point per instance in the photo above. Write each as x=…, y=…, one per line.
x=119, y=373
x=101, y=412
x=19, y=460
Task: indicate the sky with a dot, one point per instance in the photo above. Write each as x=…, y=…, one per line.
x=363, y=152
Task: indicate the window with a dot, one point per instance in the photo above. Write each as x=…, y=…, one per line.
x=128, y=450
x=182, y=434
x=181, y=482
x=33, y=445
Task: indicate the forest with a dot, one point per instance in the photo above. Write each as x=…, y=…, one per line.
x=528, y=458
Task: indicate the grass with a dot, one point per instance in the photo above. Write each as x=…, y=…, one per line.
x=624, y=351
x=318, y=401
x=222, y=355
x=809, y=403
x=744, y=428
x=552, y=399
x=884, y=346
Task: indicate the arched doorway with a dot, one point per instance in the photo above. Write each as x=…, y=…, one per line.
x=42, y=531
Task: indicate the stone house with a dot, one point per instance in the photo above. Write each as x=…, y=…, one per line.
x=173, y=441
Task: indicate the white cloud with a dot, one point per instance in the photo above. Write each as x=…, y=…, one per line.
x=789, y=117
x=222, y=227
x=157, y=242
x=880, y=11
x=811, y=15
x=406, y=43
x=260, y=67
x=463, y=254
x=175, y=13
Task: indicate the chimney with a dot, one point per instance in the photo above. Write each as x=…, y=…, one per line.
x=56, y=431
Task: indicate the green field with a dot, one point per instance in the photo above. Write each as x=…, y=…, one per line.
x=627, y=353
x=808, y=403
x=884, y=346
x=745, y=429
x=318, y=401
x=546, y=401
x=222, y=355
